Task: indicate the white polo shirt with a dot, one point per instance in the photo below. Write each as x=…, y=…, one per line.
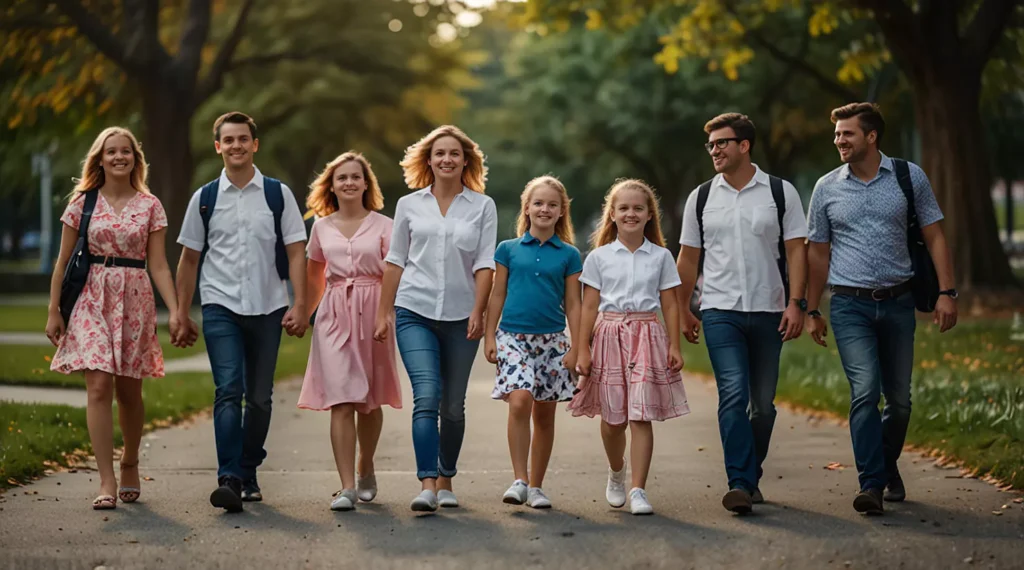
x=741, y=241
x=440, y=254
x=240, y=271
x=630, y=282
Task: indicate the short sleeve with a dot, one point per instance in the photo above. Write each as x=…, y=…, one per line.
x=793, y=221
x=313, y=250
x=669, y=274
x=574, y=265
x=928, y=211
x=193, y=234
x=690, y=234
x=385, y=236
x=818, y=227
x=157, y=216
x=488, y=237
x=73, y=212
x=502, y=253
x=398, y=249
x=592, y=271
x=293, y=228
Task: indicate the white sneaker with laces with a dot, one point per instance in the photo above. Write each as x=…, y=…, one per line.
x=447, y=499
x=516, y=494
x=537, y=499
x=345, y=500
x=638, y=503
x=616, y=491
x=366, y=488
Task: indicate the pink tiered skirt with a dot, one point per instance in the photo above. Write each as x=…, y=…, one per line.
x=629, y=378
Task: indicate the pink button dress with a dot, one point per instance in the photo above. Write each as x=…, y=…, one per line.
x=113, y=325
x=345, y=364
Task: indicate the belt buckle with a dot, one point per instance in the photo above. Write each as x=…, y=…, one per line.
x=108, y=261
x=874, y=295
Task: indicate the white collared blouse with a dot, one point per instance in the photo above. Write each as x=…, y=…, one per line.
x=630, y=282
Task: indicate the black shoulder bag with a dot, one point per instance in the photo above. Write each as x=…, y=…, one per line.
x=77, y=270
x=925, y=282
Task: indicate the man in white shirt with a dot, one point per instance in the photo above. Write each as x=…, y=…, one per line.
x=753, y=255
x=246, y=231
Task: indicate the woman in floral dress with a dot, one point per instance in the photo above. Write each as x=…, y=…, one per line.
x=111, y=335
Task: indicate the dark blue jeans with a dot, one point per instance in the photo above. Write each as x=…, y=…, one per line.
x=243, y=355
x=744, y=349
x=438, y=358
x=876, y=346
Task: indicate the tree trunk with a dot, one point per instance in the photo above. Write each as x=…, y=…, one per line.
x=167, y=116
x=954, y=157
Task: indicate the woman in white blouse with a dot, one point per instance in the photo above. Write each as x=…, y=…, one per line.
x=437, y=279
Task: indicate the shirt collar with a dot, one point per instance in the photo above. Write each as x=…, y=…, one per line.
x=760, y=177
x=528, y=238
x=225, y=183
x=466, y=193
x=885, y=164
x=645, y=247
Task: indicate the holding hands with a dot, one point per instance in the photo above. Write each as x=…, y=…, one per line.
x=294, y=323
x=184, y=331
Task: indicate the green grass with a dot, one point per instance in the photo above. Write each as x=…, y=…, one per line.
x=1018, y=215
x=34, y=436
x=967, y=391
x=22, y=318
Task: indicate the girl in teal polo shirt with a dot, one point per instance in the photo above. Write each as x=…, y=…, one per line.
x=538, y=273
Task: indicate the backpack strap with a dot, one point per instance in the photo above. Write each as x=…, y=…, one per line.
x=274, y=195
x=902, y=170
x=702, y=200
x=779, y=196
x=87, y=209
x=207, y=204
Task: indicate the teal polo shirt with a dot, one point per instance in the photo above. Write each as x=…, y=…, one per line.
x=535, y=302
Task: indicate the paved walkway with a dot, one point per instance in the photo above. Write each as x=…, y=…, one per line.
x=948, y=522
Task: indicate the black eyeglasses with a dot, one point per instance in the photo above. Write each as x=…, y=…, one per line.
x=720, y=143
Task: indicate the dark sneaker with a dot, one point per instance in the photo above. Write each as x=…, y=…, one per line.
x=868, y=501
x=757, y=498
x=895, y=491
x=228, y=495
x=251, y=491
x=737, y=501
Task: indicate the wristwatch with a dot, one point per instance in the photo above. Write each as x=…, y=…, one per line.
x=951, y=292
x=815, y=314
x=802, y=303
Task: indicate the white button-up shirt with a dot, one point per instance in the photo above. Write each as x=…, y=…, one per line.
x=741, y=241
x=630, y=282
x=440, y=254
x=240, y=271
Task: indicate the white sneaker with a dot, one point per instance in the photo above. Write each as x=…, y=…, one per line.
x=426, y=501
x=366, y=488
x=516, y=494
x=616, y=491
x=537, y=499
x=638, y=503
x=345, y=500
x=447, y=499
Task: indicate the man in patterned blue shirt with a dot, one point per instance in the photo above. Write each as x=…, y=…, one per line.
x=857, y=229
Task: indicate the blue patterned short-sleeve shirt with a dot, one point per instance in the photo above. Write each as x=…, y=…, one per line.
x=866, y=223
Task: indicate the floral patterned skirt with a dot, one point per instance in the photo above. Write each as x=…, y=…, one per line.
x=533, y=362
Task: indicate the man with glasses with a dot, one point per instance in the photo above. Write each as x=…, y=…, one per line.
x=746, y=231
x=858, y=241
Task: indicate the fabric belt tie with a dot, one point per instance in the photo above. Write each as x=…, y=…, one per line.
x=341, y=322
x=628, y=317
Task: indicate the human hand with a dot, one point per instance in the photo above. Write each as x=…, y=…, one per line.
x=475, y=329
x=491, y=349
x=945, y=313
x=818, y=329
x=54, y=327
x=675, y=359
x=570, y=359
x=380, y=328
x=691, y=326
x=792, y=325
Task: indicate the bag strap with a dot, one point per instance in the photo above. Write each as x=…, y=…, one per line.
x=702, y=200
x=902, y=170
x=779, y=195
x=207, y=204
x=274, y=195
x=87, y=209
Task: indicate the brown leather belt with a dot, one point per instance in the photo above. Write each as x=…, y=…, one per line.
x=872, y=294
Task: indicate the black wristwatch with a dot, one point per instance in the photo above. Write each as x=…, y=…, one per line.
x=815, y=314
x=802, y=303
x=951, y=292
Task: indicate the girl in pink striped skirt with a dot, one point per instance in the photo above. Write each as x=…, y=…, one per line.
x=630, y=372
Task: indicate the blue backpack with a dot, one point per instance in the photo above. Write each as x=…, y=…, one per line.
x=275, y=200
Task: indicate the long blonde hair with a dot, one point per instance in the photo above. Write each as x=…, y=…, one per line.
x=322, y=199
x=607, y=232
x=563, y=227
x=92, y=168
x=418, y=173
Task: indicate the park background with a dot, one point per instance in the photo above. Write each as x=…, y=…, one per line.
x=586, y=90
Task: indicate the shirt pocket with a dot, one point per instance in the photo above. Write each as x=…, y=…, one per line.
x=764, y=221
x=262, y=226
x=464, y=235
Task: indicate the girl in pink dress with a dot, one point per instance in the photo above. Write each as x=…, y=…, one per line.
x=111, y=334
x=348, y=372
x=630, y=370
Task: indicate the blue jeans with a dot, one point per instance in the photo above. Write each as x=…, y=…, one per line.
x=744, y=349
x=243, y=355
x=876, y=346
x=438, y=359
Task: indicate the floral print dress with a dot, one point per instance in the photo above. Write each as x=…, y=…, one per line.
x=113, y=325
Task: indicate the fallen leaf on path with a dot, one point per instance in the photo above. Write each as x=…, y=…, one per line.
x=148, y=479
x=997, y=513
x=835, y=466
x=1018, y=500
x=700, y=448
x=13, y=482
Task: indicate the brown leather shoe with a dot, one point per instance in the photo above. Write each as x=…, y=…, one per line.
x=869, y=502
x=737, y=501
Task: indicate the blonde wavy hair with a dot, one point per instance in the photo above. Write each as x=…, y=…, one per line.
x=607, y=232
x=322, y=200
x=92, y=167
x=563, y=227
x=418, y=173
